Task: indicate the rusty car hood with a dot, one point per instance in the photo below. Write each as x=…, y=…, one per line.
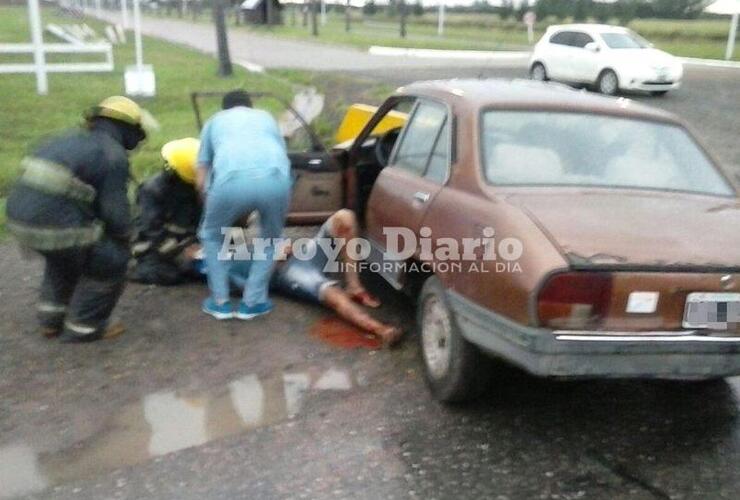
x=633, y=229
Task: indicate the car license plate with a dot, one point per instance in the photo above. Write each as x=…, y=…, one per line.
x=718, y=311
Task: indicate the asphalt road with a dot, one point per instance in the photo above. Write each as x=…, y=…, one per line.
x=251, y=49
x=185, y=407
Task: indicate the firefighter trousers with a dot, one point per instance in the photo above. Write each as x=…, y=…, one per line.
x=81, y=287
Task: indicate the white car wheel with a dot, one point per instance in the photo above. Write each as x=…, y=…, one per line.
x=608, y=82
x=435, y=337
x=455, y=369
x=538, y=72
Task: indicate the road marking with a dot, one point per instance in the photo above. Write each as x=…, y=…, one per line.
x=251, y=67
x=378, y=50
x=715, y=63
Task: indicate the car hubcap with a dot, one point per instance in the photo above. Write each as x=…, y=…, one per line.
x=609, y=83
x=436, y=337
x=538, y=73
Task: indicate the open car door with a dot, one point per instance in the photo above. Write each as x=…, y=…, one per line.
x=317, y=178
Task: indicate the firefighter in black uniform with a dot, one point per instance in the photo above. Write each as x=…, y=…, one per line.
x=169, y=211
x=70, y=205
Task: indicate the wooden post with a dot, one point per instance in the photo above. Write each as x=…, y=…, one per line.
x=314, y=21
x=222, y=40
x=402, y=8
x=347, y=17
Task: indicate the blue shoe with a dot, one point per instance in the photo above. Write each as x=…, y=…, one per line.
x=218, y=311
x=249, y=312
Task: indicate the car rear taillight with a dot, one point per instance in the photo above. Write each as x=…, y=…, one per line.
x=574, y=300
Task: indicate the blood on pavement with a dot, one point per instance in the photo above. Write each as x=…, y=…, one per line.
x=339, y=333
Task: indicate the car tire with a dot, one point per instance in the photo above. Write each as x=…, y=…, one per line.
x=538, y=72
x=608, y=82
x=658, y=93
x=455, y=369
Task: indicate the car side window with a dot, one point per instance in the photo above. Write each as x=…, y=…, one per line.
x=562, y=38
x=439, y=163
x=419, y=137
x=580, y=40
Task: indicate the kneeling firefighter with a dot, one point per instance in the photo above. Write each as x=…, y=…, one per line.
x=70, y=205
x=169, y=213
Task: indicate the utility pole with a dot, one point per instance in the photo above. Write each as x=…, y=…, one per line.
x=314, y=23
x=347, y=17
x=402, y=8
x=222, y=39
x=441, y=20
x=268, y=12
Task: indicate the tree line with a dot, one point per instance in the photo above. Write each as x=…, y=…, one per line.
x=578, y=10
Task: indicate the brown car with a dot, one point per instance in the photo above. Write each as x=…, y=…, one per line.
x=608, y=238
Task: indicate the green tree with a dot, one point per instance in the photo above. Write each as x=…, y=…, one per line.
x=678, y=9
x=506, y=10
x=558, y=9
x=370, y=9
x=581, y=10
x=627, y=10
x=523, y=8
x=418, y=9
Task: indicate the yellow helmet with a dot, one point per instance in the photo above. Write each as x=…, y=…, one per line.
x=118, y=108
x=181, y=156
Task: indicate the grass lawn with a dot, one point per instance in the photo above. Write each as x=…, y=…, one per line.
x=29, y=118
x=692, y=38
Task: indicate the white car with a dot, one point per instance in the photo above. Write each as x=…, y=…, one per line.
x=609, y=58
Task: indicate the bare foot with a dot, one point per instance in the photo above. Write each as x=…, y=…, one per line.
x=363, y=298
x=390, y=336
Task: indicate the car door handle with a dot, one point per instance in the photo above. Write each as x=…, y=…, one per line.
x=422, y=197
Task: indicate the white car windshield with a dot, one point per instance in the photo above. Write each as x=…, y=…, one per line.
x=624, y=41
x=541, y=148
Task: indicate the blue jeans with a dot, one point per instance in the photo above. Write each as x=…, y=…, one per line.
x=229, y=198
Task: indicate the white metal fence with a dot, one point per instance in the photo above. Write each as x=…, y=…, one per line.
x=38, y=49
x=105, y=65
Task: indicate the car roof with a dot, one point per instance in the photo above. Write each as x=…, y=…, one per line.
x=591, y=28
x=528, y=94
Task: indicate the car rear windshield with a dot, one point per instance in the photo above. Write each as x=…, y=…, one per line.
x=624, y=41
x=541, y=148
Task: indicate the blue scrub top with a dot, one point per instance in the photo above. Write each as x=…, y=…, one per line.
x=243, y=139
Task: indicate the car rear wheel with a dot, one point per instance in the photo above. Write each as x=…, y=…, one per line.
x=608, y=82
x=538, y=72
x=454, y=367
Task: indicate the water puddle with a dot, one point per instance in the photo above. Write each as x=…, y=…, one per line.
x=168, y=421
x=339, y=333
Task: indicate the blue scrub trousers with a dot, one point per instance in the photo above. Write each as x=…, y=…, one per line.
x=231, y=197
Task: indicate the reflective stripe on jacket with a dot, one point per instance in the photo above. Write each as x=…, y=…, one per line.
x=54, y=178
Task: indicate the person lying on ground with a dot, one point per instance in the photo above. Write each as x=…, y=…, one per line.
x=308, y=281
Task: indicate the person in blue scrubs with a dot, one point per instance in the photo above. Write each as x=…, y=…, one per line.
x=243, y=167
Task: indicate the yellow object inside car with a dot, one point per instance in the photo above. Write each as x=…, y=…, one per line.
x=357, y=117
